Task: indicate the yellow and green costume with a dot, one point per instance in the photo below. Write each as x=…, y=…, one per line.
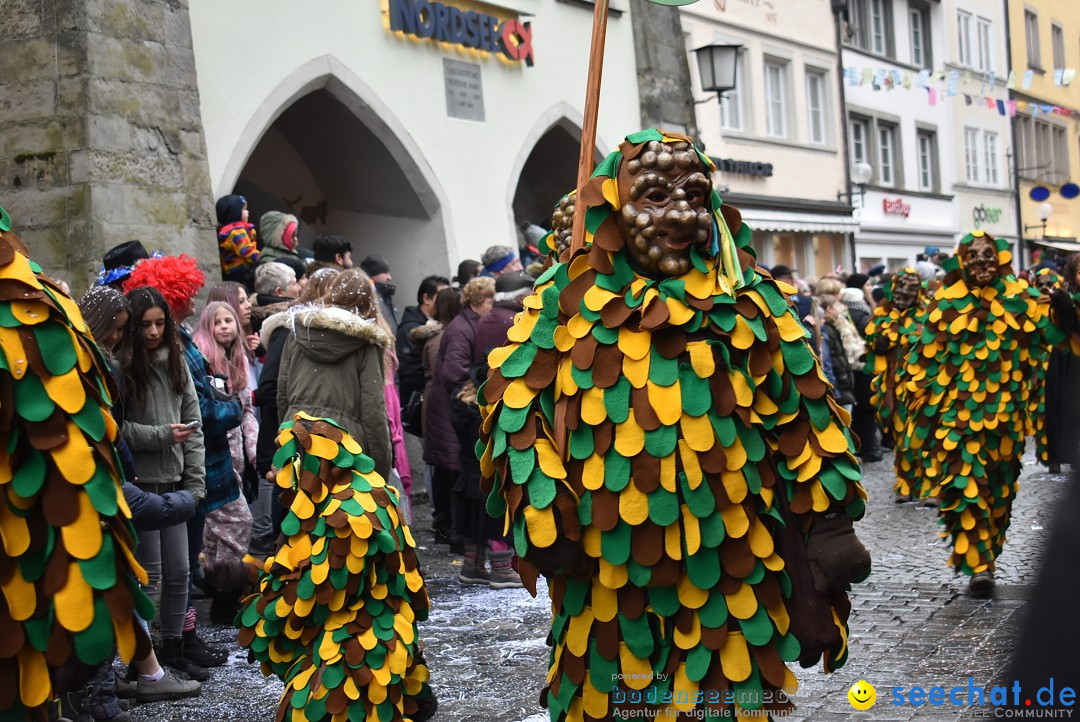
x=971, y=378
x=888, y=337
x=68, y=575
x=1041, y=358
x=336, y=612
x=640, y=437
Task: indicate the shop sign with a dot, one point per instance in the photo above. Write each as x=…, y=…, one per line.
x=895, y=207
x=743, y=167
x=447, y=24
x=981, y=214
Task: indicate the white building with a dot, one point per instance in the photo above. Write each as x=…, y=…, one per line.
x=377, y=121
x=778, y=137
x=900, y=122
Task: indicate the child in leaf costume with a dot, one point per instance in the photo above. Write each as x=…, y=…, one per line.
x=888, y=337
x=1046, y=282
x=972, y=377
x=656, y=432
x=68, y=575
x=337, y=607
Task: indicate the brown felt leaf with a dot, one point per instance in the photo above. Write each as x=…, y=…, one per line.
x=646, y=545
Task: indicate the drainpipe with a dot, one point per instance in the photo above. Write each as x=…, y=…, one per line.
x=1021, y=245
x=839, y=7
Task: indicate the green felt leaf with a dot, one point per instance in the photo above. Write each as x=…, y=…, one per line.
x=541, y=489
x=700, y=501
x=57, y=350
x=522, y=463
x=543, y=333
x=512, y=420
x=605, y=335
x=724, y=427
x=7, y=318
x=663, y=507
x=602, y=672
x=797, y=357
x=144, y=607
x=616, y=471
x=748, y=692
x=615, y=544
x=818, y=410
x=833, y=483
x=758, y=629
x=617, y=400
x=662, y=371
x=788, y=647
x=753, y=478
x=582, y=378
x=664, y=600
x=100, y=572
x=696, y=397
x=752, y=442
x=638, y=574
x=284, y=453
x=37, y=630
x=581, y=442
x=31, y=400
x=584, y=508
x=714, y=613
x=637, y=635
x=518, y=362
x=5, y=221
x=96, y=643
x=661, y=442
x=703, y=568
x=712, y=530
x=698, y=661
x=30, y=476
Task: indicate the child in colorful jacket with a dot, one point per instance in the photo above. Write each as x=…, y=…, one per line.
x=236, y=241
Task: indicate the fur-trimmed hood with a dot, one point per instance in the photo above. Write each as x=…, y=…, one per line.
x=425, y=332
x=272, y=323
x=328, y=333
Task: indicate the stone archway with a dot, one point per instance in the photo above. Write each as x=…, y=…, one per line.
x=324, y=147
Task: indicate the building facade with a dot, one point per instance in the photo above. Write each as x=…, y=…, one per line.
x=778, y=136
x=900, y=124
x=1045, y=56
x=421, y=131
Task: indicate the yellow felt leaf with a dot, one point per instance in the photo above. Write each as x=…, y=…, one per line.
x=701, y=359
x=734, y=485
x=742, y=337
x=673, y=542
x=612, y=575
x=549, y=460
x=636, y=371
x=73, y=458
x=735, y=520
x=594, y=702
x=690, y=638
x=735, y=657
x=541, y=526
x=633, y=505
x=629, y=437
x=690, y=463
x=66, y=390
x=593, y=474
x=832, y=439
x=743, y=395
x=637, y=673
x=82, y=537
x=666, y=402
x=34, y=684
x=14, y=532
x=697, y=432
x=523, y=327
x=605, y=601
x=20, y=595
x=74, y=603
x=518, y=395
x=689, y=595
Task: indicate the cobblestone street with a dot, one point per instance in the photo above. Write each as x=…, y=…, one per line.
x=911, y=624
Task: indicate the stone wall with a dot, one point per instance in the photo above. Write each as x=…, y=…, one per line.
x=664, y=88
x=101, y=138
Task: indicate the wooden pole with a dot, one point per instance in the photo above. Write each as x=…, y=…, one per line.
x=592, y=106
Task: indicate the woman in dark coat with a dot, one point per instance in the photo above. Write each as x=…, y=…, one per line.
x=1063, y=391
x=457, y=347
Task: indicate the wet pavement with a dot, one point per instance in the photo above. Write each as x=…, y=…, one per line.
x=911, y=625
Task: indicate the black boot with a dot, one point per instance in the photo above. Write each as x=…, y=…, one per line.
x=172, y=655
x=201, y=653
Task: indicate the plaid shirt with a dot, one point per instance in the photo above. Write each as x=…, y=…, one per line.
x=218, y=416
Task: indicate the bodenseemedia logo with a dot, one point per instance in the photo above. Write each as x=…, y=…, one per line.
x=1048, y=701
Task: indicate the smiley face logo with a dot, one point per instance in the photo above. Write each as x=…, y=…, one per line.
x=862, y=695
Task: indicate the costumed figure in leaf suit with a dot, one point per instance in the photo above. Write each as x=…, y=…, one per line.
x=888, y=337
x=337, y=607
x=664, y=448
x=971, y=377
x=1057, y=431
x=68, y=575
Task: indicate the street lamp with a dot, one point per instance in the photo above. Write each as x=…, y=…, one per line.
x=860, y=176
x=716, y=67
x=1045, y=211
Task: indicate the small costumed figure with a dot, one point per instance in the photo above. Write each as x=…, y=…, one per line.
x=1046, y=282
x=337, y=607
x=888, y=337
x=68, y=575
x=663, y=446
x=971, y=377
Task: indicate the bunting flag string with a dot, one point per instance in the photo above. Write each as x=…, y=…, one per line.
x=941, y=85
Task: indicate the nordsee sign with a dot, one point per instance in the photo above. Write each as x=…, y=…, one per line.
x=448, y=24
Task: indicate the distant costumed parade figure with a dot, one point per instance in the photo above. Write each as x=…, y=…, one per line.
x=664, y=448
x=888, y=337
x=973, y=376
x=68, y=575
x=336, y=612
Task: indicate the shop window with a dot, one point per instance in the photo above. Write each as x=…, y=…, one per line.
x=828, y=253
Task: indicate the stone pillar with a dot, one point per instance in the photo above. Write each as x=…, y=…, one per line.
x=101, y=137
x=664, y=88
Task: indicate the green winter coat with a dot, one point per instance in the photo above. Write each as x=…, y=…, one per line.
x=158, y=459
x=332, y=367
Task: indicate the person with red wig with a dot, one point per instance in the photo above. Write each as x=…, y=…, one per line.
x=179, y=279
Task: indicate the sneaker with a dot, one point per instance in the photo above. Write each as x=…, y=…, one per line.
x=125, y=689
x=201, y=653
x=168, y=687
